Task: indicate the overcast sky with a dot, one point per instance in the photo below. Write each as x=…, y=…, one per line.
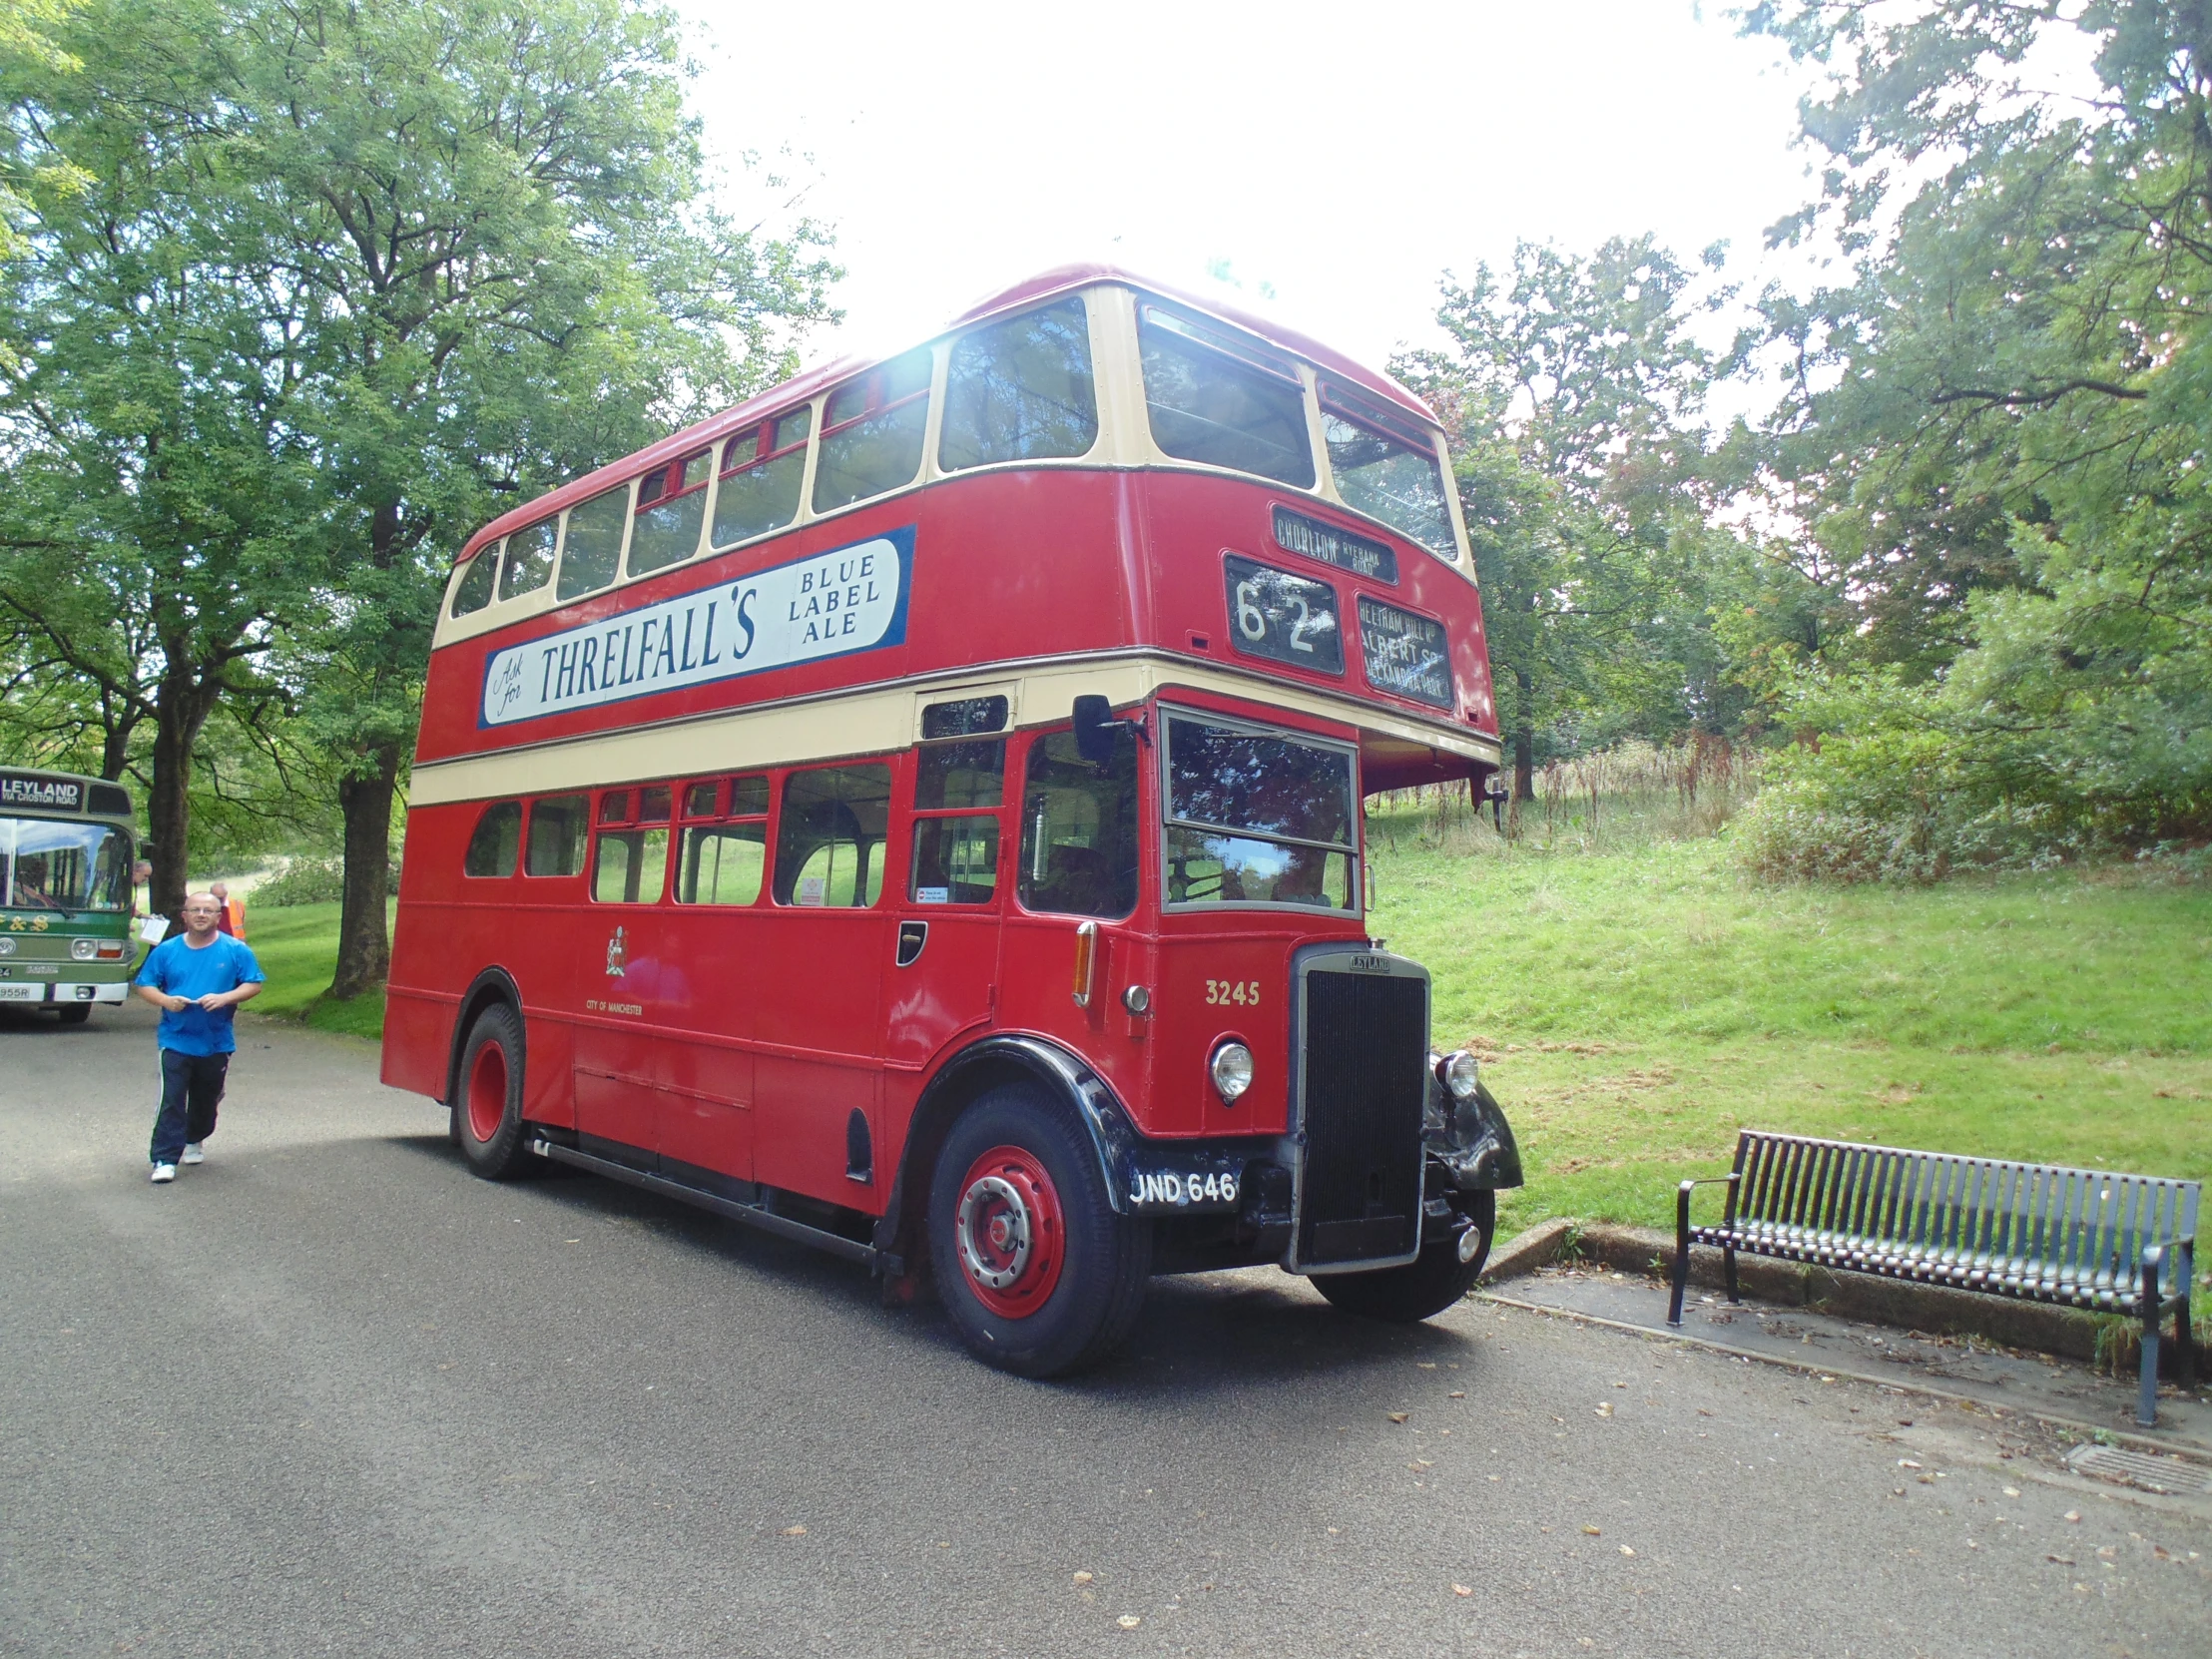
x=1346, y=156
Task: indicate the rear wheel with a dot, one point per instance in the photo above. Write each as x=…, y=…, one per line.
x=1428, y=1285
x=1039, y=1274
x=487, y=1104
x=76, y=1013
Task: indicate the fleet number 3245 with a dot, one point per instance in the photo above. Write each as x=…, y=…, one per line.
x=1245, y=993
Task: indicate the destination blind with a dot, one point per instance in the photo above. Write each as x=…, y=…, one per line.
x=55, y=794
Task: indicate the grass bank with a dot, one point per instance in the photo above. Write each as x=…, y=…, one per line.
x=298, y=947
x=1637, y=1007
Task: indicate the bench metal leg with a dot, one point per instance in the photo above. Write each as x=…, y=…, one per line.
x=2185, y=1340
x=1728, y=1260
x=1681, y=1274
x=2147, y=1404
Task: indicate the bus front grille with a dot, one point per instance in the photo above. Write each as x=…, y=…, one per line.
x=1364, y=1078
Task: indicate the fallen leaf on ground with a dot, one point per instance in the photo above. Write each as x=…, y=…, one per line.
x=1594, y=1532
x=1083, y=1578
x=1400, y=1416
x=2073, y=1514
x=1461, y=1590
x=1625, y=1551
x=794, y=1531
x=1129, y=1621
x=1458, y=1394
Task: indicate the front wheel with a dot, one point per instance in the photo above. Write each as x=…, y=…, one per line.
x=1428, y=1285
x=487, y=1104
x=76, y=1013
x=1039, y=1274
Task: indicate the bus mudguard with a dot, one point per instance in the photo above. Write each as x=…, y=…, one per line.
x=1143, y=1176
x=493, y=985
x=1473, y=1140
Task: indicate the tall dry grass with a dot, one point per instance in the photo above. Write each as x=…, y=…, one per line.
x=1609, y=801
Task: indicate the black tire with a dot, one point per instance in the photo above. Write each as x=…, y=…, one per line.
x=1423, y=1287
x=1091, y=1306
x=486, y=1119
x=76, y=1013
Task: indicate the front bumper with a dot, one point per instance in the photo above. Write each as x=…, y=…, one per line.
x=44, y=993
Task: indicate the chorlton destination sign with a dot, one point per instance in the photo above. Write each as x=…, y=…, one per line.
x=826, y=605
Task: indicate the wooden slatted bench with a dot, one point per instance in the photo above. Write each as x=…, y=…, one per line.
x=2080, y=1238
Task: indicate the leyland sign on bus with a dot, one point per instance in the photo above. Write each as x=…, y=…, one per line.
x=826, y=605
x=60, y=795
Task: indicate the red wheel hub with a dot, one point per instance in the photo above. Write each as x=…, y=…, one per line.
x=1010, y=1233
x=487, y=1093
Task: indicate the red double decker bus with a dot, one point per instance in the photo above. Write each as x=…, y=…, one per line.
x=919, y=811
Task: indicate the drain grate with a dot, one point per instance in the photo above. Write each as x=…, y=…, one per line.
x=2140, y=1468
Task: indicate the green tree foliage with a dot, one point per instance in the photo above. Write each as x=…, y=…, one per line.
x=1999, y=427
x=1591, y=477
x=472, y=247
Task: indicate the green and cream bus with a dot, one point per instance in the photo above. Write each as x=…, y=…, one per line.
x=66, y=847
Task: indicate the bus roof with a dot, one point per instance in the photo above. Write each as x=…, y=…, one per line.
x=28, y=790
x=1061, y=279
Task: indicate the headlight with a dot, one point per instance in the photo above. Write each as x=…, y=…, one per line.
x=84, y=950
x=7, y=946
x=1462, y=1075
x=1231, y=1070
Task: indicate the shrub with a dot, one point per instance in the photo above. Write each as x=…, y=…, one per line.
x=303, y=881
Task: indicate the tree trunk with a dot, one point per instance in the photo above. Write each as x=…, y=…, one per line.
x=181, y=709
x=364, y=947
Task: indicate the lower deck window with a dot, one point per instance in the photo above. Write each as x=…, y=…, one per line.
x=559, y=825
x=630, y=867
x=496, y=840
x=722, y=864
x=955, y=860
x=829, y=837
x=1079, y=829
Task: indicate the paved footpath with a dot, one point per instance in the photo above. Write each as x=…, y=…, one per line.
x=329, y=1395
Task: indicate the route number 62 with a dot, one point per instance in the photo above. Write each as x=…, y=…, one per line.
x=1252, y=622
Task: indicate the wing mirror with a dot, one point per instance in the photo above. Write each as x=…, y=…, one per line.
x=1095, y=727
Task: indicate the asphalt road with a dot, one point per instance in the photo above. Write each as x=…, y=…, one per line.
x=331, y=1395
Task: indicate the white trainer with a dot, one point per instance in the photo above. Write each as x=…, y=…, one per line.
x=194, y=1152
x=164, y=1171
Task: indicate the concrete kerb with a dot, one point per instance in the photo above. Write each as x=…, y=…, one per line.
x=1935, y=1309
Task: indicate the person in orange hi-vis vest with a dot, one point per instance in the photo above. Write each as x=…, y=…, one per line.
x=232, y=917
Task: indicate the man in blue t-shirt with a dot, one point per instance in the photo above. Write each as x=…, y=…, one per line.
x=197, y=978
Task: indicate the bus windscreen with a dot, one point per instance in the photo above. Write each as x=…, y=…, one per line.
x=1257, y=818
x=47, y=864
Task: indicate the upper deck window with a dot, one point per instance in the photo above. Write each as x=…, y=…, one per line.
x=672, y=509
x=1219, y=397
x=529, y=563
x=1385, y=465
x=1021, y=391
x=872, y=432
x=762, y=469
x=473, y=592
x=1257, y=818
x=592, y=552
